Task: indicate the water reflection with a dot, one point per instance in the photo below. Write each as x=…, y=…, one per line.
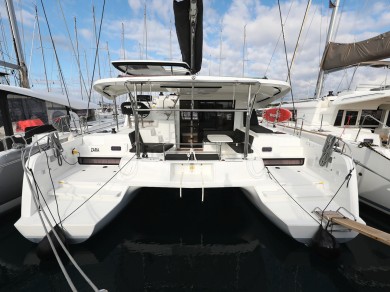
x=161, y=242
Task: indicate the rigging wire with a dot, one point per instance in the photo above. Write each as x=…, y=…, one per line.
x=4, y=40
x=98, y=190
x=40, y=211
x=288, y=67
x=338, y=23
x=42, y=51
x=32, y=47
x=96, y=55
x=50, y=239
x=300, y=32
x=277, y=43
x=274, y=178
x=311, y=22
x=56, y=56
x=73, y=48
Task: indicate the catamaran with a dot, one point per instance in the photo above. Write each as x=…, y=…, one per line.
x=210, y=138
x=207, y=136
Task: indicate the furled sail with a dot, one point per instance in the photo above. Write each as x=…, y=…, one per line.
x=187, y=29
x=338, y=55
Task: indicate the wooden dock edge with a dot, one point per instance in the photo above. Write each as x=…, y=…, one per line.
x=369, y=231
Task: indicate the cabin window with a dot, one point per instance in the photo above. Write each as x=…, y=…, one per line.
x=351, y=118
x=388, y=120
x=26, y=112
x=369, y=121
x=339, y=118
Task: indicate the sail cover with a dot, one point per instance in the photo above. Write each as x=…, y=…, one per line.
x=181, y=9
x=338, y=55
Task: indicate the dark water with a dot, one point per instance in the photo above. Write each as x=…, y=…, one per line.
x=163, y=243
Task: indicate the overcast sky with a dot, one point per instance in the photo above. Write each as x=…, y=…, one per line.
x=223, y=20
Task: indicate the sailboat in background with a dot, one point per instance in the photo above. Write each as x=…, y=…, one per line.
x=360, y=118
x=25, y=113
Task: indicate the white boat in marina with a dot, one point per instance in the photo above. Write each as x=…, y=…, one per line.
x=359, y=117
x=362, y=125
x=207, y=141
x=25, y=114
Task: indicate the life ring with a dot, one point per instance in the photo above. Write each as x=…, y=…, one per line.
x=276, y=114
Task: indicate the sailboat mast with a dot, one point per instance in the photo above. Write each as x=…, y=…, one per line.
x=78, y=57
x=18, y=45
x=320, y=79
x=145, y=34
x=243, y=52
x=43, y=53
x=123, y=42
x=170, y=40
x=220, y=49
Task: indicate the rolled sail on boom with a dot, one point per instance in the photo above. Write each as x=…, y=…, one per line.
x=338, y=55
x=186, y=29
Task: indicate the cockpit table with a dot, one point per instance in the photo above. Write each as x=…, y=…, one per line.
x=219, y=138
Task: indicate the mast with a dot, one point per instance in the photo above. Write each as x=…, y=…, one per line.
x=96, y=39
x=320, y=79
x=123, y=42
x=78, y=58
x=170, y=40
x=18, y=46
x=220, y=49
x=243, y=52
x=97, y=43
x=43, y=53
x=145, y=34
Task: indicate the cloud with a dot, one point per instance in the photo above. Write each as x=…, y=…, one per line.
x=135, y=4
x=264, y=51
x=87, y=34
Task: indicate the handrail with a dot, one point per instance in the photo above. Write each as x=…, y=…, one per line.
x=362, y=124
x=12, y=138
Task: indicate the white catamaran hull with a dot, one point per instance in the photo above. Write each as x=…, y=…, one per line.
x=372, y=167
x=286, y=194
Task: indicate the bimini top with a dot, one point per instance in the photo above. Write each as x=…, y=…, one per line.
x=199, y=87
x=151, y=67
x=75, y=103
